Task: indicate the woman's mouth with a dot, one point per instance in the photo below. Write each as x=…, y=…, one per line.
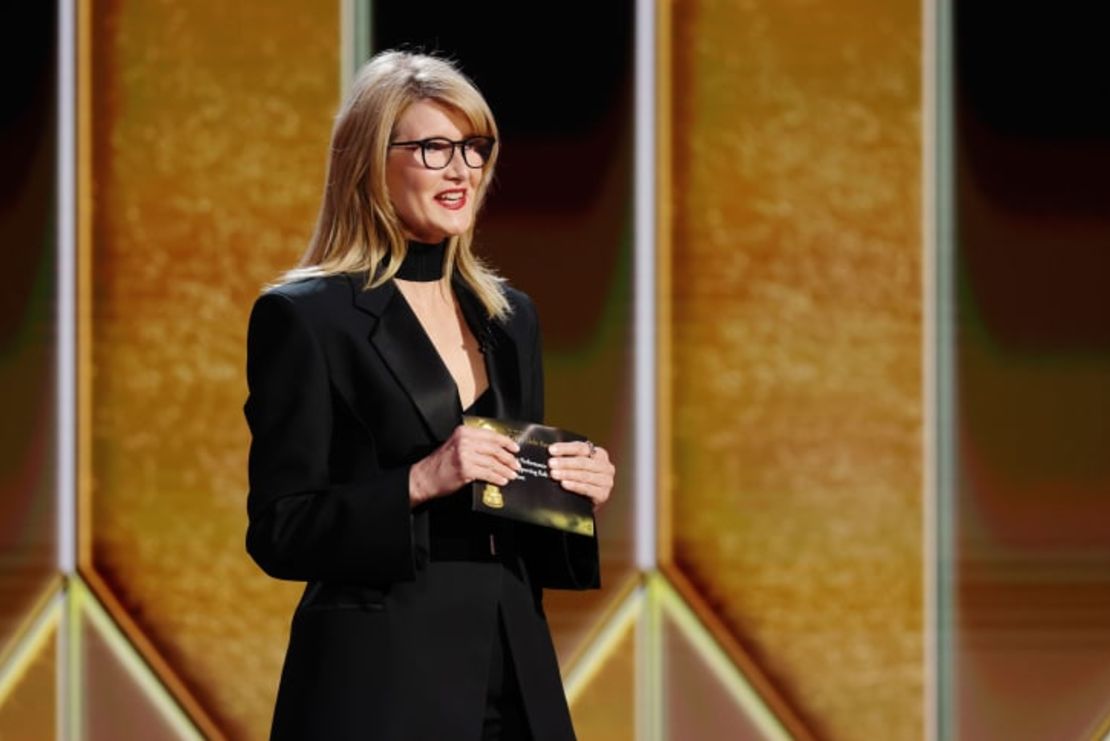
x=452, y=199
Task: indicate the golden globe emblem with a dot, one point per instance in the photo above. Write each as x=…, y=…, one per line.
x=491, y=497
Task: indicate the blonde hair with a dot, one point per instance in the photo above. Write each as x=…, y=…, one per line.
x=357, y=227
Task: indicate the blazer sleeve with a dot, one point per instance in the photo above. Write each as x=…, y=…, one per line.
x=558, y=559
x=302, y=526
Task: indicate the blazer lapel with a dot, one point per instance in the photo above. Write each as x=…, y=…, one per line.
x=499, y=350
x=403, y=345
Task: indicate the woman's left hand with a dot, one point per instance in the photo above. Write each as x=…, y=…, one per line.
x=583, y=470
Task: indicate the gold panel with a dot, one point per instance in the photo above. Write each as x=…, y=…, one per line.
x=204, y=130
x=794, y=394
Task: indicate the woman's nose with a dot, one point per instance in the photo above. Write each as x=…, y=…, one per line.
x=456, y=168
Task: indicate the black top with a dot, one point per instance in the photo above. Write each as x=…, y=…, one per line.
x=423, y=262
x=483, y=406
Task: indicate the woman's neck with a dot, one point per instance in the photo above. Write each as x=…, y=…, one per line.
x=423, y=262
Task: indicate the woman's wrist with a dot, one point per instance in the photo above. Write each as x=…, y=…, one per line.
x=418, y=489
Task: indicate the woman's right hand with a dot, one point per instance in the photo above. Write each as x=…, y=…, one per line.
x=470, y=454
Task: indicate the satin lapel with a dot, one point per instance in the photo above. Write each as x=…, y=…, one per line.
x=404, y=346
x=503, y=370
x=499, y=350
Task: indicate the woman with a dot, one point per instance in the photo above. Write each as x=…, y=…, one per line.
x=420, y=619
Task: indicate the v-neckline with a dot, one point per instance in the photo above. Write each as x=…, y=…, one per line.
x=435, y=350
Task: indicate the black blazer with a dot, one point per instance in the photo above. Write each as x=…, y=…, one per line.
x=392, y=634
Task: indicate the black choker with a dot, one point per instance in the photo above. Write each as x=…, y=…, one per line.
x=423, y=262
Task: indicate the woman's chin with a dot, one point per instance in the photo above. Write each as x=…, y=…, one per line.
x=435, y=235
x=458, y=222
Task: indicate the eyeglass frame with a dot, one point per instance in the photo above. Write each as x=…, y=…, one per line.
x=459, y=145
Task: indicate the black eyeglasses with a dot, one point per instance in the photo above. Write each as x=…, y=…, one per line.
x=438, y=151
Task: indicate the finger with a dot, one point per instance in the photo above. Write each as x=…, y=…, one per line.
x=573, y=447
x=495, y=460
x=498, y=474
x=485, y=441
x=578, y=462
x=598, y=453
x=596, y=494
x=479, y=433
x=500, y=455
x=494, y=474
x=584, y=477
x=507, y=442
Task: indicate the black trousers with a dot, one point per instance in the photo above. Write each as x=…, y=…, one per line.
x=505, y=718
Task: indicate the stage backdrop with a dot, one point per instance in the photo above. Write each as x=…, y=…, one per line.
x=825, y=343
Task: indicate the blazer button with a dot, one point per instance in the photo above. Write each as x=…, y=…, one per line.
x=492, y=546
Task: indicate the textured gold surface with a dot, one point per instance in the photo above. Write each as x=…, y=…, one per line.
x=28, y=710
x=210, y=124
x=796, y=361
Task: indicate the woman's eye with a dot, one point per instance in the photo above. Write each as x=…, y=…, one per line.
x=437, y=146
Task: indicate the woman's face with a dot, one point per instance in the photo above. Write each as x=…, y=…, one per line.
x=432, y=204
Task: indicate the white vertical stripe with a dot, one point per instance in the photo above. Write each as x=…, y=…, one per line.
x=346, y=45
x=65, y=667
x=644, y=288
x=66, y=340
x=362, y=32
x=650, y=700
x=355, y=17
x=941, y=425
x=66, y=346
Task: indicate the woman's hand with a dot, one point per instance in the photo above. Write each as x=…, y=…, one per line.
x=584, y=469
x=470, y=454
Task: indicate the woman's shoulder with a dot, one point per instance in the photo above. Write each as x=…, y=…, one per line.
x=312, y=293
x=317, y=303
x=522, y=309
x=518, y=299
x=522, y=320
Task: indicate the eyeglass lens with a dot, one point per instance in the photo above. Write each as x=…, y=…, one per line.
x=438, y=152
